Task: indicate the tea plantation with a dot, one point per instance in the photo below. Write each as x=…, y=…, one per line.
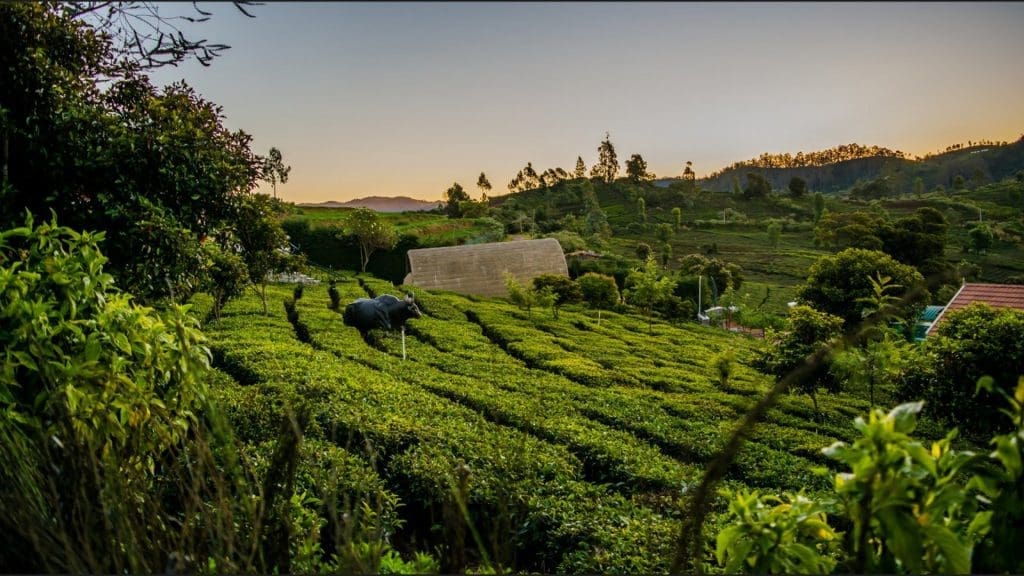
x=507, y=438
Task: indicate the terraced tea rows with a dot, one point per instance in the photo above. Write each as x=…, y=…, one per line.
x=570, y=441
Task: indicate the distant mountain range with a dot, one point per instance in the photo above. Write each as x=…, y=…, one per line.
x=381, y=204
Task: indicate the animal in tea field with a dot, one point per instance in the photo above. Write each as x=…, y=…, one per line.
x=385, y=312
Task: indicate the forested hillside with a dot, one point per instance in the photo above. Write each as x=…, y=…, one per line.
x=844, y=167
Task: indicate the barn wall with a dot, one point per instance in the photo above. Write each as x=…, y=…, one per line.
x=480, y=268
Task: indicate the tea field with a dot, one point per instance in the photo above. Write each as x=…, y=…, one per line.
x=507, y=437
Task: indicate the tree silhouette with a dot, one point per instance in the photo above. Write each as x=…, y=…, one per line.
x=484, y=185
x=454, y=196
x=274, y=170
x=636, y=168
x=581, y=168
x=607, y=166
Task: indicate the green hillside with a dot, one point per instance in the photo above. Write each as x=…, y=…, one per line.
x=571, y=440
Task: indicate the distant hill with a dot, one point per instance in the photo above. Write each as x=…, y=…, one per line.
x=382, y=204
x=990, y=162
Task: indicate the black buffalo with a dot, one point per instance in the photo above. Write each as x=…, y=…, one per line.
x=384, y=311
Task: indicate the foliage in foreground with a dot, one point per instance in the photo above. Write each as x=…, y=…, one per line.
x=98, y=395
x=907, y=508
x=115, y=458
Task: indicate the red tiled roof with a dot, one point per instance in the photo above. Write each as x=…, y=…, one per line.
x=995, y=295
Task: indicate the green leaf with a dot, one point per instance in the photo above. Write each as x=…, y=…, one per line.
x=92, y=350
x=981, y=524
x=986, y=383
x=904, y=416
x=957, y=555
x=726, y=539
x=1009, y=454
x=903, y=536
x=121, y=341
x=26, y=360
x=920, y=455
x=738, y=561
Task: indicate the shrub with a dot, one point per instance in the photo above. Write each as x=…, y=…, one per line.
x=332, y=292
x=971, y=343
x=909, y=508
x=565, y=290
x=228, y=275
x=723, y=364
x=99, y=393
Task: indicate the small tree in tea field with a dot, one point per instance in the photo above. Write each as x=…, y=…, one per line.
x=647, y=287
x=599, y=290
x=806, y=331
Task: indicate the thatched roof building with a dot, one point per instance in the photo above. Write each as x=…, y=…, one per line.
x=480, y=268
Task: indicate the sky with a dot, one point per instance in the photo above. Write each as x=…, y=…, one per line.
x=405, y=99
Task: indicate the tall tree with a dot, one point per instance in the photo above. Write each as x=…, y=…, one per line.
x=971, y=343
x=371, y=232
x=599, y=291
x=688, y=173
x=88, y=137
x=484, y=185
x=641, y=208
x=453, y=196
x=581, y=168
x=607, y=166
x=757, y=186
x=142, y=37
x=819, y=206
x=677, y=216
x=274, y=170
x=636, y=169
x=263, y=243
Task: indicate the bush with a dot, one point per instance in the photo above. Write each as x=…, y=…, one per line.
x=228, y=275
x=569, y=241
x=99, y=394
x=598, y=290
x=953, y=513
x=971, y=343
x=565, y=290
x=332, y=293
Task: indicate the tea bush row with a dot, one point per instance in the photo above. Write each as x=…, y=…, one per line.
x=421, y=440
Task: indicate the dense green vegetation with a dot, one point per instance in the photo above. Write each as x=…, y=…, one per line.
x=768, y=234
x=607, y=451
x=327, y=236
x=583, y=426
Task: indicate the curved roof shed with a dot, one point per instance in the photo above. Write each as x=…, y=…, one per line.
x=480, y=268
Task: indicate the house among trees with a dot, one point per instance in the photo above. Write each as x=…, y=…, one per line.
x=479, y=269
x=995, y=295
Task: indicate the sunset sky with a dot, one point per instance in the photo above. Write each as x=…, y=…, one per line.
x=406, y=98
